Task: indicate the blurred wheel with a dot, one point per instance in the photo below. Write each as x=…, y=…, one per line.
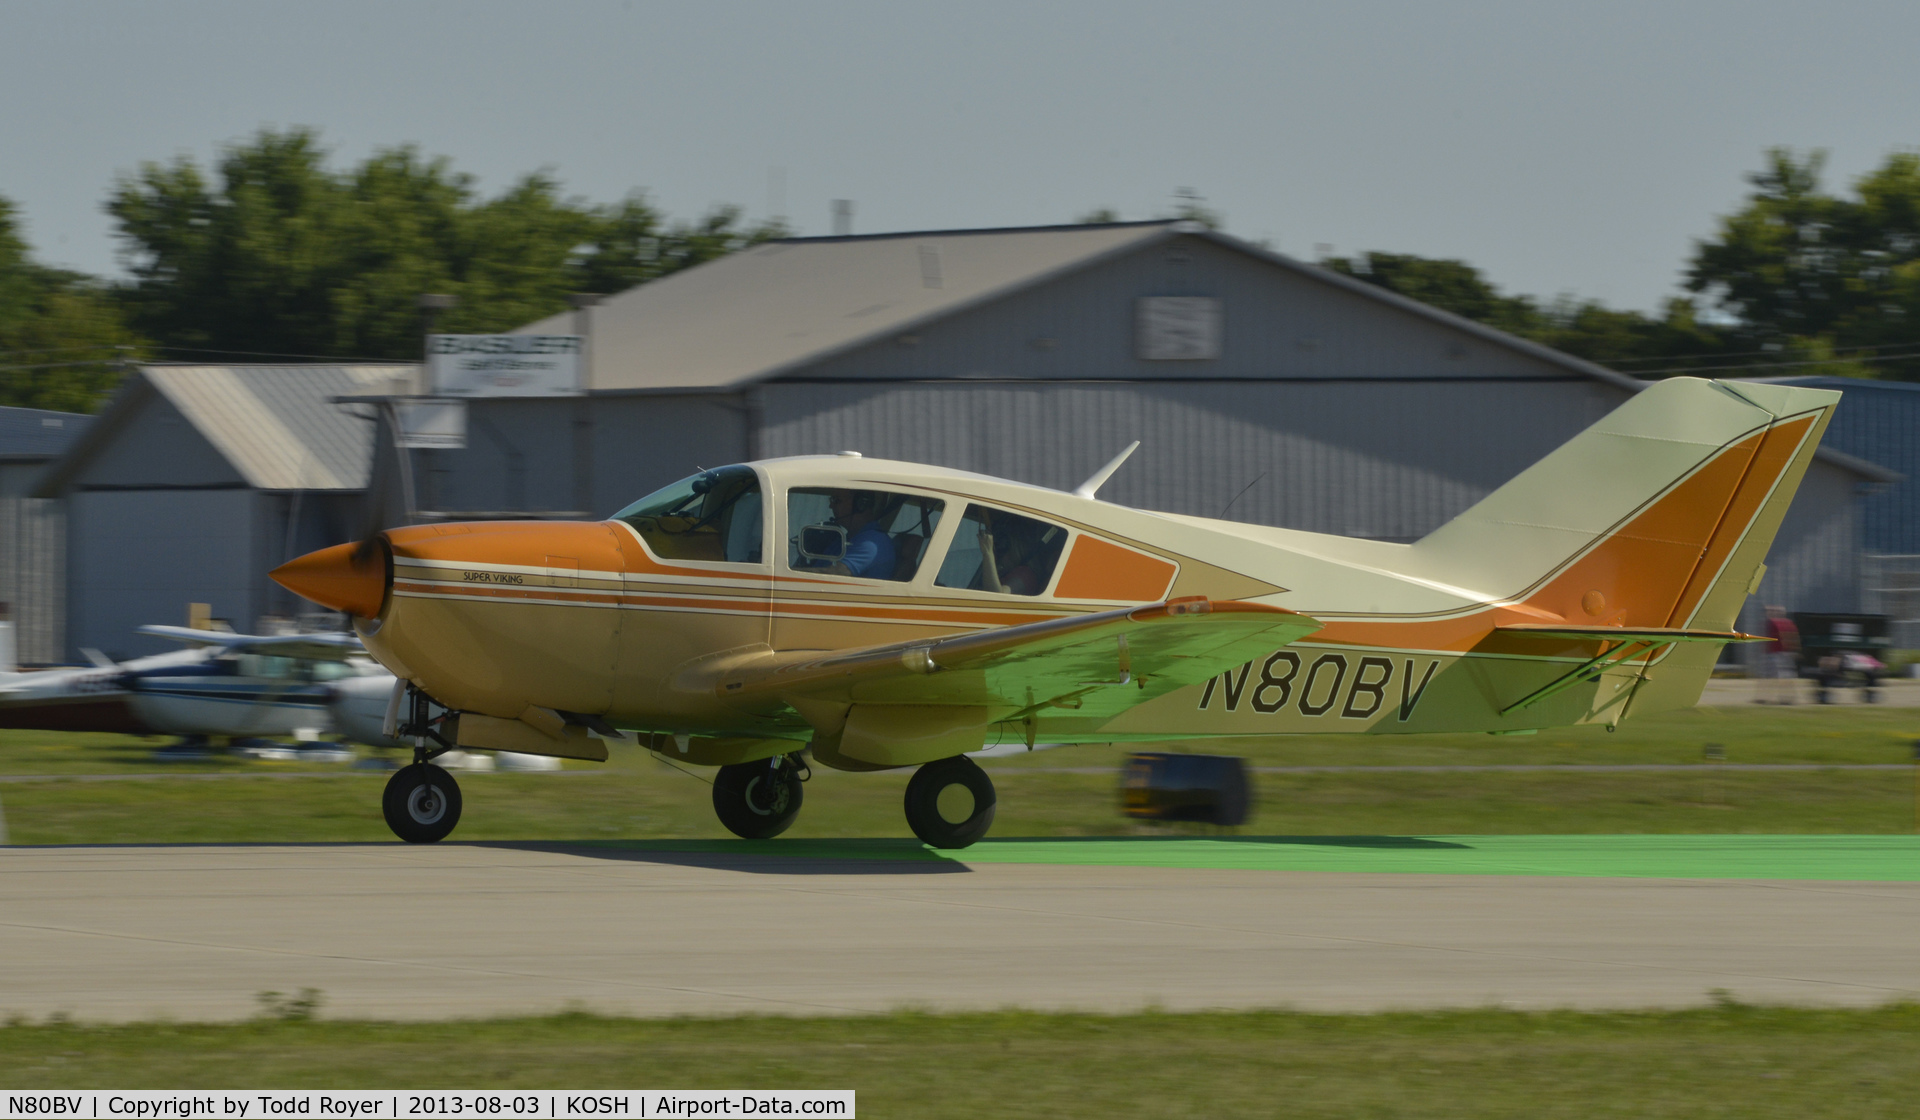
x=758, y=800
x=950, y=803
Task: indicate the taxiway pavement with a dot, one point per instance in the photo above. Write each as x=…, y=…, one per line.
x=391, y=931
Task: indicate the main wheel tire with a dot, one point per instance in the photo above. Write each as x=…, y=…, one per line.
x=950, y=802
x=422, y=803
x=758, y=800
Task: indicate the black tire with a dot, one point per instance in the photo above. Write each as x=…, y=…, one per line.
x=422, y=803
x=944, y=780
x=758, y=800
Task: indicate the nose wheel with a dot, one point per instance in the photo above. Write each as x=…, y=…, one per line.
x=950, y=802
x=758, y=800
x=422, y=803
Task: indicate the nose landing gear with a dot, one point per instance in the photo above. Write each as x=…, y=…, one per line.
x=950, y=802
x=758, y=800
x=421, y=803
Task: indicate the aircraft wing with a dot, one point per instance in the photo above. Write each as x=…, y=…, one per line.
x=310, y=647
x=1097, y=664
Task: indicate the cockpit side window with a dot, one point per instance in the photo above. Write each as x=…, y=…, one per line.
x=1002, y=552
x=873, y=534
x=716, y=515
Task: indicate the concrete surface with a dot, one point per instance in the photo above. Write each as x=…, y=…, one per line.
x=460, y=930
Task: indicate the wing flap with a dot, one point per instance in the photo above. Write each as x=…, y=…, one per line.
x=1658, y=635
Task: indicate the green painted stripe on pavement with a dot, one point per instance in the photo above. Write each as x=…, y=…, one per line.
x=1689, y=856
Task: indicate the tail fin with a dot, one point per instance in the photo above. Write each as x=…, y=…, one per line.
x=1658, y=515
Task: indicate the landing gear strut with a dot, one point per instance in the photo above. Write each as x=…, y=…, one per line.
x=758, y=800
x=422, y=803
x=950, y=802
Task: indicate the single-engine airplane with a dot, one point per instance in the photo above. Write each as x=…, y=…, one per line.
x=866, y=615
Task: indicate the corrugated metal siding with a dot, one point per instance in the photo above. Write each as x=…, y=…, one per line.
x=1389, y=461
x=1278, y=324
x=1815, y=563
x=1880, y=422
x=520, y=453
x=33, y=537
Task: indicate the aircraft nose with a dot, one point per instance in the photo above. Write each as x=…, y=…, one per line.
x=346, y=577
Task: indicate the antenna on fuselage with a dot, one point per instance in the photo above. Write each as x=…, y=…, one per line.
x=1086, y=489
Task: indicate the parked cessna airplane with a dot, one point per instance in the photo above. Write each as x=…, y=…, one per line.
x=233, y=685
x=908, y=614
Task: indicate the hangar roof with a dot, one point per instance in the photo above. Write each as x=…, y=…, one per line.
x=772, y=308
x=276, y=425
x=30, y=434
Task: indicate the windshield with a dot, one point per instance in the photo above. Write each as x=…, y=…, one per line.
x=714, y=515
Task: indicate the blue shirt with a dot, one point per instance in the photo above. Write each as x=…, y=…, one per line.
x=869, y=554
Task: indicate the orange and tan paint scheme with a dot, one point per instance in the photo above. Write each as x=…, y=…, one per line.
x=728, y=620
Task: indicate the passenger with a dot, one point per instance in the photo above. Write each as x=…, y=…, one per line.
x=1019, y=549
x=870, y=551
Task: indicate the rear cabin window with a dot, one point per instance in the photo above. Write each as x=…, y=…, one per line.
x=873, y=534
x=1002, y=552
x=713, y=516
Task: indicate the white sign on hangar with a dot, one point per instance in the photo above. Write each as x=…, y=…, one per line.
x=504, y=365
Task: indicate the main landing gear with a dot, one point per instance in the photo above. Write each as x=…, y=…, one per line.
x=422, y=803
x=758, y=800
x=950, y=802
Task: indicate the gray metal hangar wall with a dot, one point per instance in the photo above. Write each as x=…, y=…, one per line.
x=1295, y=396
x=195, y=482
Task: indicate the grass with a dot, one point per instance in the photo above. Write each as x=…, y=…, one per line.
x=1063, y=792
x=1724, y=1060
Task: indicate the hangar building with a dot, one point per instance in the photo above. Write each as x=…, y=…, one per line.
x=195, y=481
x=33, y=531
x=1262, y=389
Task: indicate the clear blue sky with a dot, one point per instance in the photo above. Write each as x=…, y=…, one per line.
x=1561, y=147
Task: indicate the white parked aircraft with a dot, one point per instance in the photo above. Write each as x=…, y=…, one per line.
x=228, y=685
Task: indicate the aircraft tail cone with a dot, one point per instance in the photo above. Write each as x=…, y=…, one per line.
x=346, y=577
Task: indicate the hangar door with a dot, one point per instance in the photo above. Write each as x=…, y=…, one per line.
x=140, y=556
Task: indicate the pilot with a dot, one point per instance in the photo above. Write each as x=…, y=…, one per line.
x=869, y=550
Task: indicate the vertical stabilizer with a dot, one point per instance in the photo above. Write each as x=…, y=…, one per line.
x=1658, y=515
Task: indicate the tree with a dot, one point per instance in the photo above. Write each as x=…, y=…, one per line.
x=1450, y=285
x=1807, y=276
x=1584, y=328
x=287, y=257
x=62, y=340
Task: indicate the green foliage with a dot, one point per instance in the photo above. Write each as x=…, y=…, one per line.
x=283, y=255
x=61, y=337
x=1810, y=277
x=1807, y=283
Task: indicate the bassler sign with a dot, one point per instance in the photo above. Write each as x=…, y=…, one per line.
x=504, y=365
